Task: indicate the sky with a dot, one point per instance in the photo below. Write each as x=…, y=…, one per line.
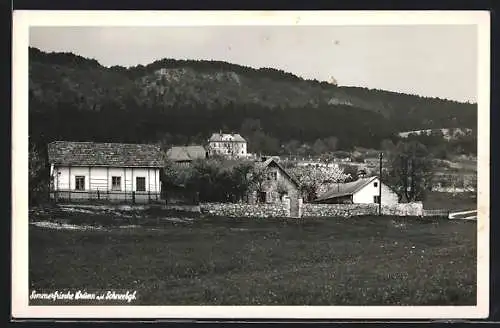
x=427, y=60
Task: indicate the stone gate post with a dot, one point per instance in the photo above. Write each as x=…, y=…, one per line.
x=300, y=207
x=286, y=205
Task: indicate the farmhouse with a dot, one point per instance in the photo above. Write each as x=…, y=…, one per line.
x=274, y=183
x=104, y=171
x=224, y=144
x=361, y=191
x=185, y=155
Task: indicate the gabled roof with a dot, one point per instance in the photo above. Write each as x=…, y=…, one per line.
x=186, y=153
x=237, y=137
x=271, y=161
x=226, y=137
x=346, y=189
x=69, y=153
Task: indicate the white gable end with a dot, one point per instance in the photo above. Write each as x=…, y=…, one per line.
x=368, y=194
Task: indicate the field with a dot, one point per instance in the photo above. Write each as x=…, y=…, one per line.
x=454, y=202
x=221, y=261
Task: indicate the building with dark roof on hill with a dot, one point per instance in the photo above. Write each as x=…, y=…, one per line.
x=105, y=171
x=185, y=155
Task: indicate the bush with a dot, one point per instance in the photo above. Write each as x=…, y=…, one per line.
x=216, y=180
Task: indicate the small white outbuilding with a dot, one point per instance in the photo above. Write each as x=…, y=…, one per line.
x=361, y=191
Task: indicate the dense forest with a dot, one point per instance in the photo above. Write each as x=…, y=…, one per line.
x=184, y=101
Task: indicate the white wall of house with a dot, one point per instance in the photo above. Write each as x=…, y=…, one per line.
x=367, y=194
x=228, y=147
x=100, y=178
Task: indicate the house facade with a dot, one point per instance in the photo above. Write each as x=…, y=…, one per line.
x=361, y=191
x=224, y=144
x=105, y=171
x=274, y=183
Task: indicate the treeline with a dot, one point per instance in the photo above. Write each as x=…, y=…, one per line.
x=267, y=87
x=209, y=66
x=439, y=147
x=296, y=131
x=62, y=58
x=265, y=130
x=75, y=98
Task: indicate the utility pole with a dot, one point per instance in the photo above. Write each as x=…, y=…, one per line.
x=380, y=186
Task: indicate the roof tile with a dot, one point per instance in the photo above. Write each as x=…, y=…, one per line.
x=186, y=153
x=104, y=154
x=345, y=189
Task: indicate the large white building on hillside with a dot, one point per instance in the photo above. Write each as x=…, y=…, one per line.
x=225, y=144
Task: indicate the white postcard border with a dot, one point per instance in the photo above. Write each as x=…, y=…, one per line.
x=22, y=20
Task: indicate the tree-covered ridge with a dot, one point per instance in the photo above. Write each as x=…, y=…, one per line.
x=62, y=58
x=74, y=98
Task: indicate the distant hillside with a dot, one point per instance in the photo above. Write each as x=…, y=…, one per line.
x=75, y=98
x=446, y=133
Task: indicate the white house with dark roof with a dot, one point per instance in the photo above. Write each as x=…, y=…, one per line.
x=225, y=144
x=361, y=191
x=105, y=171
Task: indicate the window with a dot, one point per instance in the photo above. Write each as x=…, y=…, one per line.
x=262, y=196
x=273, y=175
x=376, y=199
x=375, y=184
x=140, y=184
x=79, y=182
x=116, y=183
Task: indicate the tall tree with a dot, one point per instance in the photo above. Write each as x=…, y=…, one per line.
x=387, y=145
x=319, y=147
x=411, y=171
x=292, y=147
x=331, y=143
x=38, y=171
x=351, y=171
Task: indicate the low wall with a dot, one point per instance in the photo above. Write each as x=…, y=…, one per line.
x=404, y=209
x=336, y=210
x=309, y=210
x=347, y=210
x=245, y=210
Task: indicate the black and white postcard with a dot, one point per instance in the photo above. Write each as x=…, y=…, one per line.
x=271, y=165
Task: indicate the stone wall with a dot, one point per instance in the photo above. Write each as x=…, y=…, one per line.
x=282, y=209
x=404, y=209
x=338, y=210
x=245, y=210
x=347, y=210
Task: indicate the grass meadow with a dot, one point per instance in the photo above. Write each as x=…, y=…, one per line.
x=197, y=260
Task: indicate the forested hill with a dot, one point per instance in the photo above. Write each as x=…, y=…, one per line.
x=181, y=101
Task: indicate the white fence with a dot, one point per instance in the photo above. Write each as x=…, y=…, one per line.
x=464, y=215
